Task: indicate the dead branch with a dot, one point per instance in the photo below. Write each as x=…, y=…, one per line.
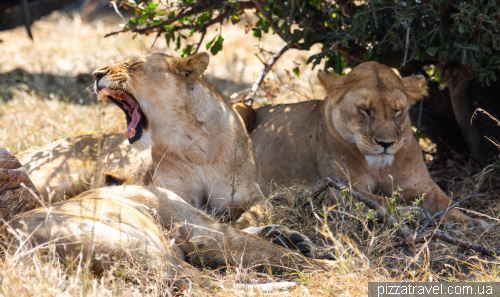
x=406, y=46
x=373, y=14
x=267, y=67
x=485, y=112
x=438, y=214
x=465, y=244
x=203, y=33
x=118, y=12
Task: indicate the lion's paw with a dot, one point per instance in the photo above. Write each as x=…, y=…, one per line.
x=282, y=236
x=456, y=219
x=478, y=225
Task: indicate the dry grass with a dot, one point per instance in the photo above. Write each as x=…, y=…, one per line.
x=43, y=89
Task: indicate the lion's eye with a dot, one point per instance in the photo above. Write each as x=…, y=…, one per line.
x=134, y=63
x=367, y=112
x=397, y=112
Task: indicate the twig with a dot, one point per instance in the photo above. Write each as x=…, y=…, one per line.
x=157, y=35
x=484, y=111
x=292, y=9
x=491, y=117
x=119, y=13
x=438, y=214
x=373, y=14
x=407, y=44
x=386, y=35
x=267, y=67
x=465, y=244
x=201, y=40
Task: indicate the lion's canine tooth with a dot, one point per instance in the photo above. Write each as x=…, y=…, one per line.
x=128, y=136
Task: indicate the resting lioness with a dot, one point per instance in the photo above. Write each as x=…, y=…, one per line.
x=200, y=148
x=115, y=226
x=363, y=118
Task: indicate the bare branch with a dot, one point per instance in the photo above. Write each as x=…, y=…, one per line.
x=406, y=45
x=438, y=214
x=118, y=12
x=466, y=244
x=373, y=14
x=199, y=42
x=267, y=67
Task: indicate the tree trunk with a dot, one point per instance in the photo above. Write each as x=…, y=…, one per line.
x=467, y=94
x=14, y=198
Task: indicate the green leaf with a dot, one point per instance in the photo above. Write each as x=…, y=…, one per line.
x=432, y=51
x=217, y=45
x=474, y=47
x=209, y=44
x=461, y=29
x=486, y=49
x=464, y=57
x=296, y=71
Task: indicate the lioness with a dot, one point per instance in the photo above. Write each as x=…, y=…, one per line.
x=200, y=148
x=116, y=226
x=363, y=118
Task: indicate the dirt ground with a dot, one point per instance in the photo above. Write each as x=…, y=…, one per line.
x=46, y=95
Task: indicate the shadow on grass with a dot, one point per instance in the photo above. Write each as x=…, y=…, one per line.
x=69, y=89
x=76, y=89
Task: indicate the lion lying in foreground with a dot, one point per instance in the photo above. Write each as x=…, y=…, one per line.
x=115, y=226
x=364, y=119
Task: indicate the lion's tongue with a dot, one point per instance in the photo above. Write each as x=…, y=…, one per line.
x=133, y=110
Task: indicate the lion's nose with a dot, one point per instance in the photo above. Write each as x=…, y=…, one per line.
x=98, y=74
x=384, y=144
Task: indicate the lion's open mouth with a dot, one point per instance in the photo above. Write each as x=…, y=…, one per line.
x=136, y=121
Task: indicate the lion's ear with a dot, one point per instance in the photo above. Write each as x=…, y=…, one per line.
x=331, y=80
x=194, y=66
x=415, y=88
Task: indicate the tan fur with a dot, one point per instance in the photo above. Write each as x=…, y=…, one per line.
x=305, y=142
x=200, y=148
x=67, y=166
x=117, y=224
x=247, y=113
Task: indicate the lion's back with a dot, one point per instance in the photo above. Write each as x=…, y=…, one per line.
x=283, y=138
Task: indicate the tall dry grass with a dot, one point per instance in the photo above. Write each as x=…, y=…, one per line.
x=44, y=97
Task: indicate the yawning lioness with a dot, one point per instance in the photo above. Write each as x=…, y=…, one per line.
x=200, y=147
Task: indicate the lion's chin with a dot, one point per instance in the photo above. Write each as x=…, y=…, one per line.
x=380, y=160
